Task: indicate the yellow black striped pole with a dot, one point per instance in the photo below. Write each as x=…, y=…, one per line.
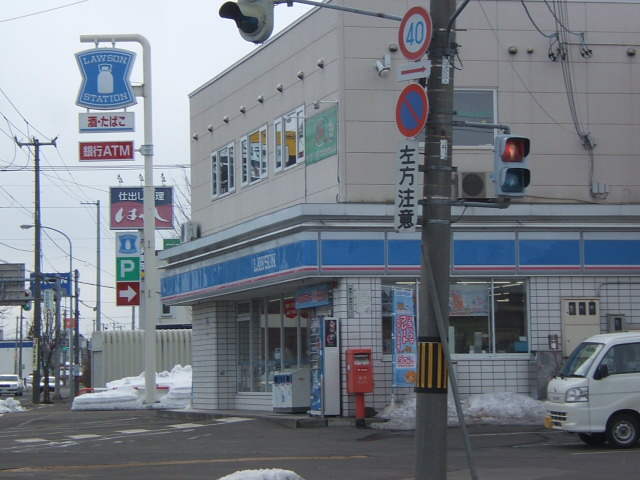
x=433, y=375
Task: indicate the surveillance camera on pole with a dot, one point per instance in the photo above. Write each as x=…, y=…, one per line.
x=511, y=166
x=254, y=18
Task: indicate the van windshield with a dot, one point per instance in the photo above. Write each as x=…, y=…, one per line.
x=581, y=359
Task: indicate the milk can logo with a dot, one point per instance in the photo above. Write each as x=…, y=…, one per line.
x=105, y=83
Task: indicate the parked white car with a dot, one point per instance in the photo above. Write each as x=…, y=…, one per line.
x=597, y=393
x=11, y=384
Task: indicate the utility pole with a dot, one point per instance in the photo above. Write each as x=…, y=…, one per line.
x=431, y=401
x=98, y=326
x=37, y=290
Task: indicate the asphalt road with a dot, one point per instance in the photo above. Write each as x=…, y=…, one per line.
x=54, y=442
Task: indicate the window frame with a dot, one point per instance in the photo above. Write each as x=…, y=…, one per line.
x=217, y=171
x=281, y=142
x=459, y=131
x=247, y=157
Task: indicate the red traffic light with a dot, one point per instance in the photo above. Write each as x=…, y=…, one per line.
x=515, y=149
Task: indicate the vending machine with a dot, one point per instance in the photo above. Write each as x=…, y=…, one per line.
x=324, y=357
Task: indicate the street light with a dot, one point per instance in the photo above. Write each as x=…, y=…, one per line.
x=73, y=345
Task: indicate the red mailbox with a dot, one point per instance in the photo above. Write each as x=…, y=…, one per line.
x=359, y=370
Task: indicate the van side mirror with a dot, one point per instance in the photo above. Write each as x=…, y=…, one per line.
x=601, y=372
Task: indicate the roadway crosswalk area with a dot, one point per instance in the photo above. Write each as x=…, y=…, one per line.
x=61, y=436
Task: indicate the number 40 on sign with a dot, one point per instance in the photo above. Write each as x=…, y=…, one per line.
x=414, y=35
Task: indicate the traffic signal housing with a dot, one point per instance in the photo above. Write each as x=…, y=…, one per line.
x=511, y=166
x=254, y=18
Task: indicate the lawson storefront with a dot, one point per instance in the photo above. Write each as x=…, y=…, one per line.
x=256, y=290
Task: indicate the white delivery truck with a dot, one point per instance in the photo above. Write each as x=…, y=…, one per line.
x=597, y=393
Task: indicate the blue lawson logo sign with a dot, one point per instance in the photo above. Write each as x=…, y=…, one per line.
x=105, y=84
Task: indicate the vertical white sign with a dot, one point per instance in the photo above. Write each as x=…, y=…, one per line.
x=407, y=193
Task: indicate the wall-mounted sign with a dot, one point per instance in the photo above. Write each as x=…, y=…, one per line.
x=105, y=82
x=322, y=136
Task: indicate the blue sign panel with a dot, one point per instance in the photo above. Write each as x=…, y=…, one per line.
x=49, y=282
x=105, y=83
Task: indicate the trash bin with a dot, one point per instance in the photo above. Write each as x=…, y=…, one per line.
x=291, y=390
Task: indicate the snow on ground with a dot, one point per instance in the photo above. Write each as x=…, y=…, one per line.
x=500, y=408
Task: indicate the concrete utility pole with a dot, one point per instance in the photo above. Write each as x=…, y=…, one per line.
x=98, y=322
x=431, y=398
x=37, y=294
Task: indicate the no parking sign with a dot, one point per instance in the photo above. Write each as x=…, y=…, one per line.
x=412, y=110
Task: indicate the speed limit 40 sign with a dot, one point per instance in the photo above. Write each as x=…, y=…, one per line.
x=415, y=33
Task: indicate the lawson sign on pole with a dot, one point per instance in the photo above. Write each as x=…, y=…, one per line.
x=105, y=78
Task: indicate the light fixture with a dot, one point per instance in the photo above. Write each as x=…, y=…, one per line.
x=141, y=178
x=300, y=75
x=393, y=47
x=316, y=103
x=260, y=98
x=120, y=179
x=631, y=51
x=210, y=128
x=195, y=136
x=320, y=63
x=225, y=119
x=384, y=68
x=279, y=87
x=242, y=109
x=512, y=49
x=163, y=179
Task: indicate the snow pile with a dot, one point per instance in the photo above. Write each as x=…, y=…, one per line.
x=128, y=393
x=267, y=474
x=502, y=408
x=10, y=405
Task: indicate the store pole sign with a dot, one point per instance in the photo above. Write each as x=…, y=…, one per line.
x=106, y=122
x=127, y=208
x=128, y=270
x=106, y=151
x=407, y=194
x=105, y=78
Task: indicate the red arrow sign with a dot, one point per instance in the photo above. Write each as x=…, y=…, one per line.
x=127, y=293
x=414, y=70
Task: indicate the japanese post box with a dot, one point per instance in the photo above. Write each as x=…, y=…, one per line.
x=359, y=370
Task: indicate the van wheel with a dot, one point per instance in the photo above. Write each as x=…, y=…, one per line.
x=622, y=431
x=593, y=438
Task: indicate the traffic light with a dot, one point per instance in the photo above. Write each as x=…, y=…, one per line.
x=512, y=175
x=254, y=18
x=28, y=297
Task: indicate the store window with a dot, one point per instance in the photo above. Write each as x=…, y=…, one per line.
x=254, y=156
x=475, y=106
x=488, y=316
x=271, y=336
x=223, y=171
x=289, y=139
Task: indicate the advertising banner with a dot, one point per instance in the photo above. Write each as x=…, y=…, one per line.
x=322, y=136
x=405, y=361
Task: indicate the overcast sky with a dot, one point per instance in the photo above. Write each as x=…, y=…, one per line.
x=39, y=83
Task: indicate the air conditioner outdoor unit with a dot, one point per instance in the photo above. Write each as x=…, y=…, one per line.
x=189, y=231
x=475, y=185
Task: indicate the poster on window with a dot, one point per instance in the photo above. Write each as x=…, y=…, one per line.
x=404, y=349
x=469, y=301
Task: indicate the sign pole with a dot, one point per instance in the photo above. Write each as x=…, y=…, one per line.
x=150, y=297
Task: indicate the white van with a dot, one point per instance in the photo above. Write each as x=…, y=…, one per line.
x=597, y=393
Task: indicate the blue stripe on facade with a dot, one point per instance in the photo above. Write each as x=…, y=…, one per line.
x=549, y=252
x=352, y=252
x=268, y=262
x=612, y=252
x=468, y=255
x=404, y=252
x=484, y=252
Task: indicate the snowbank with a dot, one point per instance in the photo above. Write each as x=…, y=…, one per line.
x=267, y=474
x=10, y=405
